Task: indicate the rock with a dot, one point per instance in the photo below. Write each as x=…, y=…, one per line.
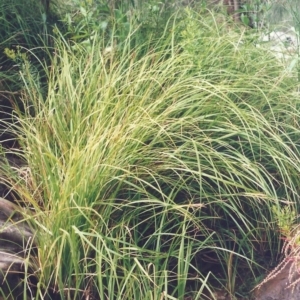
x=16, y=245
x=278, y=287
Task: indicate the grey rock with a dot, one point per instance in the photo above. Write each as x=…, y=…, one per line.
x=16, y=245
x=278, y=287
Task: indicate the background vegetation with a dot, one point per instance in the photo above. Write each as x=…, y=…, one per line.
x=161, y=148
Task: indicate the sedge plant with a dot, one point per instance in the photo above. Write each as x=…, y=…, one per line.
x=155, y=175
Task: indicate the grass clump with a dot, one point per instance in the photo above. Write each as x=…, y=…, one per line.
x=153, y=176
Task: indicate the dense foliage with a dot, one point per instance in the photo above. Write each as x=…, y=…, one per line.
x=161, y=150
